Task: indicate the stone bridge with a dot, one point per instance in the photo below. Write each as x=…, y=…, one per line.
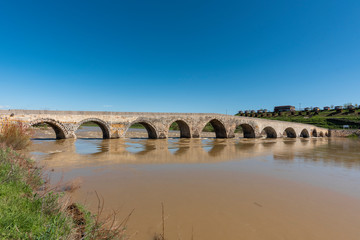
x=116, y=124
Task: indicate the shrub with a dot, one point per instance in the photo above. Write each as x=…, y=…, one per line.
x=16, y=135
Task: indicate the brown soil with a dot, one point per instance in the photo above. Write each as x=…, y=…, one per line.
x=79, y=220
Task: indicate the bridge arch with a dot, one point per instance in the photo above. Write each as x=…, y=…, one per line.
x=219, y=128
x=59, y=128
x=185, y=131
x=314, y=133
x=150, y=128
x=305, y=133
x=289, y=132
x=248, y=130
x=104, y=126
x=321, y=134
x=269, y=132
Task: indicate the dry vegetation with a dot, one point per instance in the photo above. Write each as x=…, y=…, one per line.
x=15, y=135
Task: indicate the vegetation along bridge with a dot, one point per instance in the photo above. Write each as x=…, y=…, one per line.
x=115, y=124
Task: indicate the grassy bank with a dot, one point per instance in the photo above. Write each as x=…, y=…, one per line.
x=31, y=209
x=24, y=213
x=326, y=119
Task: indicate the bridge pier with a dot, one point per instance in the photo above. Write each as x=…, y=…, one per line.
x=194, y=132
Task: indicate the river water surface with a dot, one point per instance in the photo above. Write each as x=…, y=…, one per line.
x=217, y=188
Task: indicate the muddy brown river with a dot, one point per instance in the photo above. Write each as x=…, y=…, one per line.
x=216, y=188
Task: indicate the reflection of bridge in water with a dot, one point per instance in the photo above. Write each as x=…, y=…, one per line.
x=116, y=124
x=98, y=152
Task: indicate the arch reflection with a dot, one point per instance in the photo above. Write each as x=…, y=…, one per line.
x=82, y=152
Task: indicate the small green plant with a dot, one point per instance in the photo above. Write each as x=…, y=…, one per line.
x=353, y=136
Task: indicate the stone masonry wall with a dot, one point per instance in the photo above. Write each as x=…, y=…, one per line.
x=344, y=132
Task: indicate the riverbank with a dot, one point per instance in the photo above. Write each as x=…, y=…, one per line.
x=27, y=210
x=31, y=208
x=330, y=119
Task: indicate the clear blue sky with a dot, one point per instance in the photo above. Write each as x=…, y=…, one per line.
x=178, y=56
